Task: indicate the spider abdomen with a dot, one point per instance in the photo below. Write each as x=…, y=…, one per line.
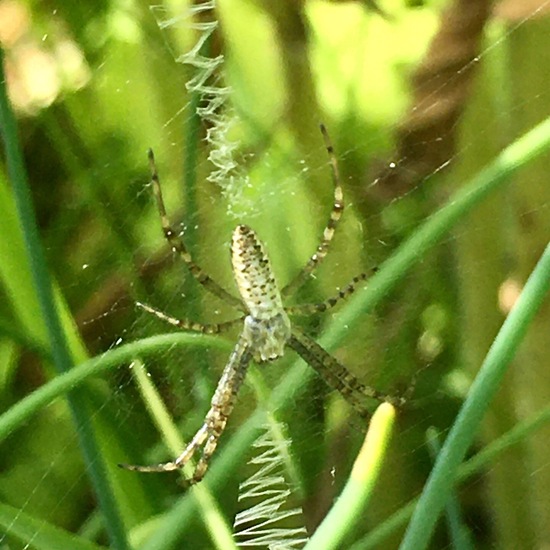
x=253, y=274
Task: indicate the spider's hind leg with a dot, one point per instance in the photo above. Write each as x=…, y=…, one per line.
x=215, y=421
x=337, y=376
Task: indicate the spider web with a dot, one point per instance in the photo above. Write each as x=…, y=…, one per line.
x=399, y=166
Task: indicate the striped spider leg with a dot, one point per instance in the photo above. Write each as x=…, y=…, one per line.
x=267, y=329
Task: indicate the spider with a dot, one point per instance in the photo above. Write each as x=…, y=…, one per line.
x=267, y=329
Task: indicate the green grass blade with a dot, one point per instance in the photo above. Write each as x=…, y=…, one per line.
x=38, y=533
x=492, y=177
x=476, y=464
x=56, y=337
x=441, y=480
x=23, y=410
x=459, y=533
x=358, y=490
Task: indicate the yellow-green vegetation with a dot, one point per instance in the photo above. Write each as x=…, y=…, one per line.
x=442, y=139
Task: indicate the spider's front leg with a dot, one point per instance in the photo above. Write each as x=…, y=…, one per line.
x=215, y=421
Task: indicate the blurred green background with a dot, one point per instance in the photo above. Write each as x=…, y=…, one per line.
x=417, y=100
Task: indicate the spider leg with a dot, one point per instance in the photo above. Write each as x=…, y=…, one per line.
x=186, y=324
x=208, y=451
x=215, y=421
x=308, y=309
x=336, y=375
x=328, y=233
x=179, y=462
x=178, y=246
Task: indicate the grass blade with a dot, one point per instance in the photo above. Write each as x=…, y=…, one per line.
x=441, y=480
x=57, y=340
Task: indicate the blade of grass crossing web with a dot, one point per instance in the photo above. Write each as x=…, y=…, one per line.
x=349, y=507
x=441, y=480
x=56, y=336
x=459, y=534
